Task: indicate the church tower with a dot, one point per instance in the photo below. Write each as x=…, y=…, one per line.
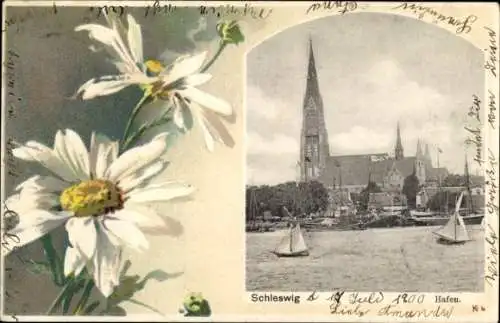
x=314, y=149
x=419, y=166
x=419, y=155
x=398, y=150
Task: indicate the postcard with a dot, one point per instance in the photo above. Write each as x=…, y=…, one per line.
x=172, y=161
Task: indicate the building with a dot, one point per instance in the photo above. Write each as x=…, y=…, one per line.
x=353, y=172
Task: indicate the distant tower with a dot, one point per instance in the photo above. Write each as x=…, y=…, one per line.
x=398, y=151
x=419, y=153
x=314, y=149
x=419, y=166
x=466, y=172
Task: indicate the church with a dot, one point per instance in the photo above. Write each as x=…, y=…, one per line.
x=352, y=173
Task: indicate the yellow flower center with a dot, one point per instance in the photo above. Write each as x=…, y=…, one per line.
x=153, y=68
x=92, y=198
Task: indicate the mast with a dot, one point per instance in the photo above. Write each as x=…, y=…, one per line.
x=439, y=181
x=467, y=183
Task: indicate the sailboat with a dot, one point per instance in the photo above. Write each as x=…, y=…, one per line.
x=292, y=244
x=454, y=231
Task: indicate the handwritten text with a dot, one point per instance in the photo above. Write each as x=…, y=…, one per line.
x=342, y=7
x=491, y=51
x=464, y=25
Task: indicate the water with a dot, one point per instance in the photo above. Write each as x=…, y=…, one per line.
x=393, y=259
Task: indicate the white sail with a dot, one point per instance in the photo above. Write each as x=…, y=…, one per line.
x=284, y=247
x=298, y=244
x=483, y=223
x=292, y=242
x=454, y=229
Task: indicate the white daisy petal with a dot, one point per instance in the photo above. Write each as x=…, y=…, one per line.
x=74, y=262
x=217, y=128
x=137, y=158
x=106, y=264
x=178, y=119
x=103, y=152
x=30, y=200
x=183, y=118
x=95, y=88
x=100, y=33
x=143, y=218
x=184, y=66
x=78, y=153
x=197, y=79
x=82, y=235
x=42, y=183
x=135, y=39
x=209, y=138
x=63, y=153
x=207, y=100
x=127, y=232
x=34, y=151
x=160, y=192
x=137, y=179
x=33, y=225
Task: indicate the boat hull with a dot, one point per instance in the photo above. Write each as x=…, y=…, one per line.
x=304, y=253
x=431, y=221
x=441, y=239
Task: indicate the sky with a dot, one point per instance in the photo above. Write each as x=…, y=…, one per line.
x=373, y=70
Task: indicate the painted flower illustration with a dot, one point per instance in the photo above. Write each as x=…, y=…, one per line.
x=196, y=305
x=100, y=196
x=175, y=84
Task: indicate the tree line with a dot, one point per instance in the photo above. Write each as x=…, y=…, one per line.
x=312, y=197
x=298, y=198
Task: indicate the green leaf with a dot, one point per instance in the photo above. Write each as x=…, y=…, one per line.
x=39, y=267
x=66, y=302
x=230, y=32
x=128, y=286
x=53, y=259
x=91, y=307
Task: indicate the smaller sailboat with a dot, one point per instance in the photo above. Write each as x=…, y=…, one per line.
x=454, y=231
x=483, y=223
x=292, y=244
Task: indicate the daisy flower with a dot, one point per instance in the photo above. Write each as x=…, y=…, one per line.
x=175, y=84
x=100, y=197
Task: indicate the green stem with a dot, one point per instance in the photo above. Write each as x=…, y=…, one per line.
x=85, y=297
x=60, y=297
x=157, y=122
x=149, y=307
x=133, y=115
x=53, y=259
x=217, y=54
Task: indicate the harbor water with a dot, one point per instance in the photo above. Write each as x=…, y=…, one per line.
x=392, y=259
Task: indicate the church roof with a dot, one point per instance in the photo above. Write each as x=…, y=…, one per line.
x=434, y=173
x=356, y=169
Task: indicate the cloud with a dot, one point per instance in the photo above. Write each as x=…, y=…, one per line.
x=279, y=144
x=261, y=106
x=269, y=175
x=360, y=140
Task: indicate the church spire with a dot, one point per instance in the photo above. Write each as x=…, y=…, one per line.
x=466, y=172
x=312, y=87
x=419, y=153
x=398, y=151
x=314, y=149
